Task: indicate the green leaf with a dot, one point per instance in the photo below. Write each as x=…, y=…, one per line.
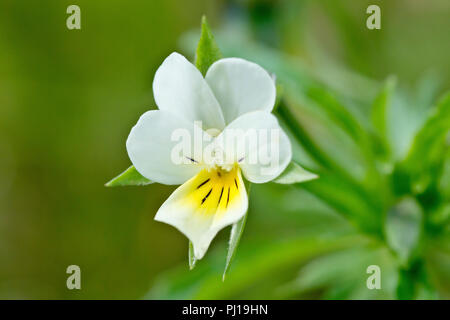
x=130, y=177
x=430, y=145
x=235, y=236
x=192, y=259
x=236, y=232
x=381, y=105
x=403, y=228
x=379, y=116
x=432, y=134
x=294, y=173
x=207, y=50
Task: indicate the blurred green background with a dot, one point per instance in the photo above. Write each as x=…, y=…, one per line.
x=68, y=99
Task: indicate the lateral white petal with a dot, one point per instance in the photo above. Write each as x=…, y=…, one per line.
x=241, y=86
x=258, y=144
x=180, y=88
x=161, y=148
x=204, y=205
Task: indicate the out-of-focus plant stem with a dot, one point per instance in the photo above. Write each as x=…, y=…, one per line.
x=372, y=225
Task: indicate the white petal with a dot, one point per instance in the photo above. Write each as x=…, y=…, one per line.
x=257, y=143
x=151, y=148
x=204, y=205
x=179, y=87
x=241, y=86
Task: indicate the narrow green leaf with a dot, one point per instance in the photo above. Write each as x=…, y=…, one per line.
x=380, y=118
x=236, y=232
x=380, y=107
x=130, y=177
x=192, y=259
x=294, y=173
x=235, y=237
x=207, y=50
x=279, y=97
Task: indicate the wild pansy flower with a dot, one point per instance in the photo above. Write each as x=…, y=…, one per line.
x=231, y=109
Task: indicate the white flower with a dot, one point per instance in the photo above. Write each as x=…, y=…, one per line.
x=234, y=94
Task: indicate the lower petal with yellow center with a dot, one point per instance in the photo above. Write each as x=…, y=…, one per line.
x=208, y=202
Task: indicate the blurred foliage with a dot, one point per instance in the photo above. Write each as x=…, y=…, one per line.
x=379, y=143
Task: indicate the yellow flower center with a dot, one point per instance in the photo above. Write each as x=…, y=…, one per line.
x=214, y=190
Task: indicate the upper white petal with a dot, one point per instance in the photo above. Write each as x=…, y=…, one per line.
x=241, y=86
x=259, y=145
x=180, y=88
x=150, y=145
